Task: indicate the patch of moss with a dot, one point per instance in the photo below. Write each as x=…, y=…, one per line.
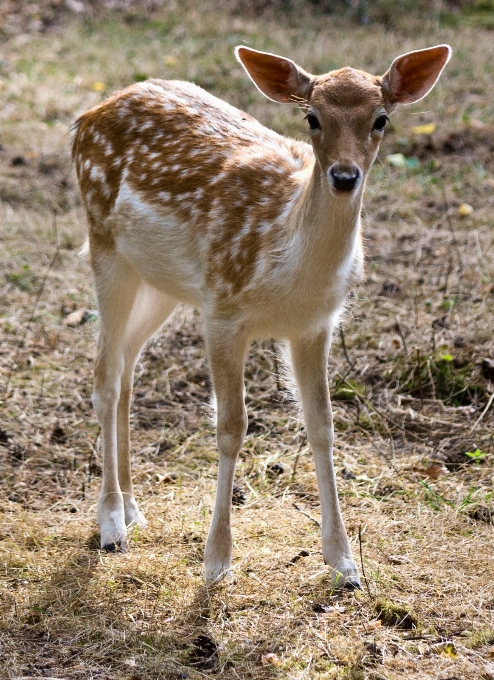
x=439, y=378
x=396, y=615
x=480, y=638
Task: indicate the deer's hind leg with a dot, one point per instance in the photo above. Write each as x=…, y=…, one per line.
x=151, y=309
x=227, y=346
x=130, y=312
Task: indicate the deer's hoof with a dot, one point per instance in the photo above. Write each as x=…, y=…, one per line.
x=115, y=547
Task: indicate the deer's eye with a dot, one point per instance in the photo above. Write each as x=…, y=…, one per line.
x=313, y=122
x=380, y=122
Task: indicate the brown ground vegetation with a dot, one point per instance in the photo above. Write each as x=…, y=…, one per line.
x=412, y=377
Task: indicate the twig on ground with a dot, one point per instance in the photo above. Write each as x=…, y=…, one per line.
x=313, y=519
x=276, y=366
x=450, y=225
x=362, y=560
x=343, y=379
x=402, y=336
x=491, y=399
x=28, y=327
x=345, y=351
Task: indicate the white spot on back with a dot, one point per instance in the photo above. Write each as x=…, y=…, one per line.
x=97, y=174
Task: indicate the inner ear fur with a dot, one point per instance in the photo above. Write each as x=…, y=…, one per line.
x=411, y=76
x=278, y=78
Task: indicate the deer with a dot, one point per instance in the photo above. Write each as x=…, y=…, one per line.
x=190, y=200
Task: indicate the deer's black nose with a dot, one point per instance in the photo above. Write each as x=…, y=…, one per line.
x=344, y=177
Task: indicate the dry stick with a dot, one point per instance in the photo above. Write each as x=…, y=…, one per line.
x=55, y=229
x=91, y=454
x=402, y=336
x=276, y=366
x=294, y=471
x=40, y=396
x=362, y=560
x=342, y=337
x=383, y=415
x=450, y=224
x=429, y=371
x=343, y=379
x=391, y=439
x=419, y=367
x=438, y=278
x=491, y=399
x=444, y=288
x=295, y=464
x=28, y=327
x=306, y=514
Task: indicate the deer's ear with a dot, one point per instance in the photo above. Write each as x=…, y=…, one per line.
x=413, y=75
x=278, y=78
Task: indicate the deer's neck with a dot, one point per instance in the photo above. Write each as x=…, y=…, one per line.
x=327, y=226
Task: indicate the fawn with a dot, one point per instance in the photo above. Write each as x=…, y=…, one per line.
x=189, y=199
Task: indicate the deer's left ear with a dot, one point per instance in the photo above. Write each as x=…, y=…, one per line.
x=413, y=75
x=278, y=78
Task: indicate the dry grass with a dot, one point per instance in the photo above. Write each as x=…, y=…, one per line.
x=409, y=390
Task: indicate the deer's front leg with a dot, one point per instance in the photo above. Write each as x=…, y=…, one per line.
x=227, y=349
x=309, y=357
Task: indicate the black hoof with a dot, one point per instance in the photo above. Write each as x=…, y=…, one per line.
x=352, y=585
x=113, y=548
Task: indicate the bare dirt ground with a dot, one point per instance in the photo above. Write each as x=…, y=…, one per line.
x=412, y=376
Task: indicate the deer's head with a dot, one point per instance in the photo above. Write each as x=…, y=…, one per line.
x=347, y=110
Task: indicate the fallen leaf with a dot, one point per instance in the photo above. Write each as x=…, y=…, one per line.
x=413, y=163
x=465, y=209
x=270, y=659
x=448, y=650
x=76, y=318
x=434, y=471
x=397, y=160
x=344, y=394
x=426, y=129
x=374, y=624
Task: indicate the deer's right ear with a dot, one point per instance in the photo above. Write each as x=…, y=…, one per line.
x=278, y=78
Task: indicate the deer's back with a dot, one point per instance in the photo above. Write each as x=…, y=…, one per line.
x=197, y=194
x=184, y=150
